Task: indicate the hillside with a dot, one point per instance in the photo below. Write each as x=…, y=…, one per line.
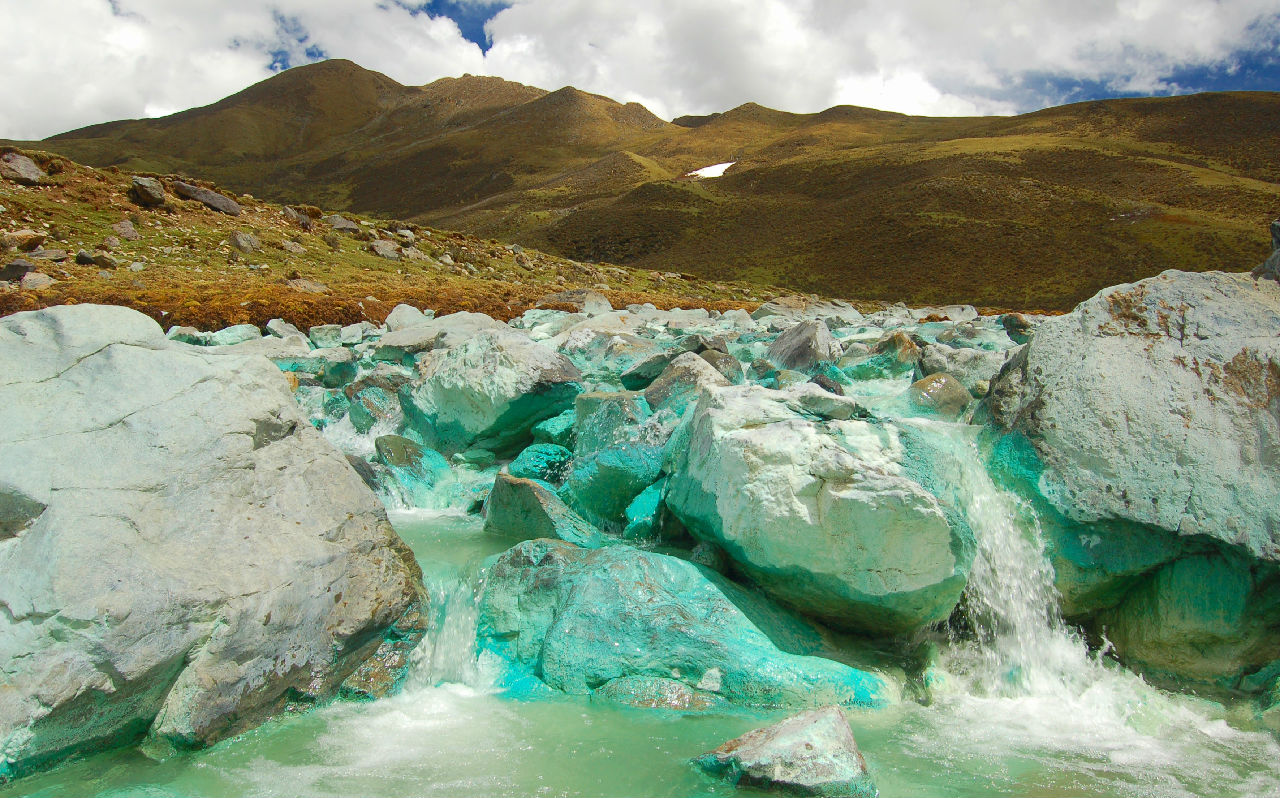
x=176, y=262
x=1033, y=211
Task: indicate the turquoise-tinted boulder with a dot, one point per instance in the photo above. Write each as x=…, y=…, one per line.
x=606, y=418
x=1197, y=619
x=373, y=405
x=584, y=618
x=527, y=509
x=680, y=382
x=489, y=390
x=558, y=430
x=602, y=485
x=822, y=513
x=642, y=514
x=544, y=461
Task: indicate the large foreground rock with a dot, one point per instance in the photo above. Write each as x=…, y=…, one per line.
x=1147, y=424
x=583, y=618
x=812, y=753
x=182, y=554
x=822, y=514
x=1159, y=402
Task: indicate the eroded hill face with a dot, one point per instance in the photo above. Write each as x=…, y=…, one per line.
x=1035, y=211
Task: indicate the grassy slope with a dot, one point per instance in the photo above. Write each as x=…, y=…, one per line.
x=1036, y=211
x=190, y=276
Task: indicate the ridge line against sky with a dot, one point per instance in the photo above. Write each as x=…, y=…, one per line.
x=72, y=63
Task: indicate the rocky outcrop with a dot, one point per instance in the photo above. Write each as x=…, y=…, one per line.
x=183, y=554
x=820, y=513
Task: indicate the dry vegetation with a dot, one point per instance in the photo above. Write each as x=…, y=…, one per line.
x=187, y=274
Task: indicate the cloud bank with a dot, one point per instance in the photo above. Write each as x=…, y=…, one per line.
x=70, y=63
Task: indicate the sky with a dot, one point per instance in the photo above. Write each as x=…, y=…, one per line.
x=71, y=63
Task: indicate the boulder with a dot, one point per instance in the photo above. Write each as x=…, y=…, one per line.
x=25, y=240
x=247, y=243
x=184, y=555
x=325, y=336
x=1270, y=268
x=822, y=514
x=804, y=346
x=146, y=191
x=812, y=753
x=801, y=308
x=404, y=316
x=385, y=249
x=20, y=169
x=1148, y=416
x=728, y=365
x=582, y=618
x=417, y=468
x=680, y=382
x=403, y=345
x=579, y=300
x=526, y=509
x=35, y=281
x=940, y=393
x=974, y=368
x=341, y=223
x=1154, y=402
x=283, y=329
x=542, y=461
x=125, y=229
x=655, y=692
x=490, y=389
x=209, y=198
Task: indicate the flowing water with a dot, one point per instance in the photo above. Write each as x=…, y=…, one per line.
x=1022, y=707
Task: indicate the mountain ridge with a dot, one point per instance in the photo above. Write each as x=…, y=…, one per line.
x=1036, y=210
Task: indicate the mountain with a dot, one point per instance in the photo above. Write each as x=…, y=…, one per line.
x=1032, y=211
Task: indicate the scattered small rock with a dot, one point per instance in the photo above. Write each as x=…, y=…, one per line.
x=105, y=261
x=16, y=269
x=146, y=191
x=110, y=243
x=244, y=242
x=34, y=281
x=297, y=217
x=84, y=257
x=293, y=247
x=210, y=199
x=341, y=223
x=126, y=230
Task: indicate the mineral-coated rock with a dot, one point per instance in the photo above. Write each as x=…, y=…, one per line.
x=1155, y=402
x=680, y=383
x=527, y=509
x=490, y=389
x=728, y=365
x=326, y=336
x=974, y=368
x=940, y=393
x=584, y=618
x=401, y=346
x=183, y=553
x=543, y=461
x=804, y=346
x=655, y=692
x=821, y=514
x=415, y=467
x=208, y=198
x=812, y=753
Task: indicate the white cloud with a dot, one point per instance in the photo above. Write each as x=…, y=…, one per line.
x=69, y=63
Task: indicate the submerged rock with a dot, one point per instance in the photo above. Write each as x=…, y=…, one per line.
x=812, y=753
x=820, y=513
x=183, y=554
x=583, y=618
x=940, y=393
x=655, y=692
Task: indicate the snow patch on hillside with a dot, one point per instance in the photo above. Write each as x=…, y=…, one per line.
x=715, y=170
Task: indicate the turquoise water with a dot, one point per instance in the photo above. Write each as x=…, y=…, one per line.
x=1028, y=713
